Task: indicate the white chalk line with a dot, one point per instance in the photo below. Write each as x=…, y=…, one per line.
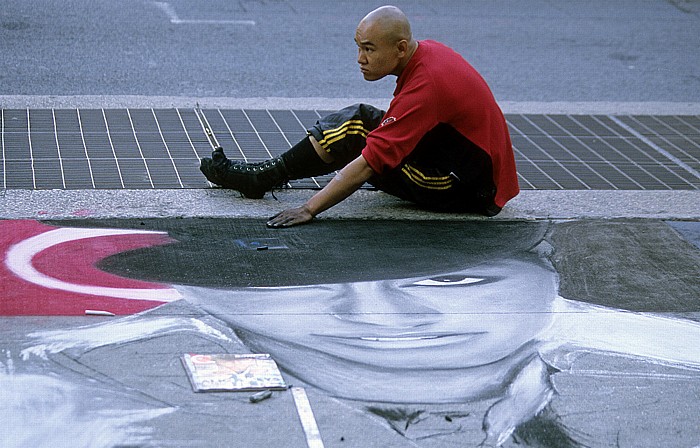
x=169, y=11
x=306, y=415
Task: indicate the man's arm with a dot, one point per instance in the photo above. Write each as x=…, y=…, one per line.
x=345, y=183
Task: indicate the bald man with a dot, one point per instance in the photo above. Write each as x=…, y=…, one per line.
x=442, y=144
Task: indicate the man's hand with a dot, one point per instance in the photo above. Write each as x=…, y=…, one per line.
x=347, y=181
x=291, y=217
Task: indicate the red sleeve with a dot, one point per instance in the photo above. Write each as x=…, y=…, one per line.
x=412, y=113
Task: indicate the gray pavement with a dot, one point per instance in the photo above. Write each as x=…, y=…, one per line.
x=572, y=319
x=623, y=51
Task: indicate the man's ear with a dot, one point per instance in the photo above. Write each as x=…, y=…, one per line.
x=402, y=47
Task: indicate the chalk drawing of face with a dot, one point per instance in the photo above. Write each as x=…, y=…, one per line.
x=483, y=332
x=437, y=339
x=479, y=332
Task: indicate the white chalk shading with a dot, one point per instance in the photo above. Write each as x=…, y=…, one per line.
x=526, y=396
x=19, y=262
x=9, y=366
x=43, y=411
x=583, y=327
x=128, y=329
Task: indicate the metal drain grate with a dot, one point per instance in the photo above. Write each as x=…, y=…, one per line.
x=161, y=148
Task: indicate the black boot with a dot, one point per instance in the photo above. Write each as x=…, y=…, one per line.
x=302, y=161
x=251, y=179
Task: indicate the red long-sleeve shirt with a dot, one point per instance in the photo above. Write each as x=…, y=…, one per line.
x=440, y=86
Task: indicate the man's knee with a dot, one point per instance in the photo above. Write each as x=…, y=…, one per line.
x=358, y=119
x=340, y=136
x=322, y=153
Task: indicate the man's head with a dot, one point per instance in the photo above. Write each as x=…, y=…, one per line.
x=385, y=43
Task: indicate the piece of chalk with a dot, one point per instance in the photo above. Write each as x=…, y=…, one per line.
x=98, y=313
x=260, y=396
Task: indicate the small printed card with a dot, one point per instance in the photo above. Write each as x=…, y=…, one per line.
x=233, y=372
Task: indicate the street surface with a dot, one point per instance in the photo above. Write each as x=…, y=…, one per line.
x=570, y=320
x=541, y=50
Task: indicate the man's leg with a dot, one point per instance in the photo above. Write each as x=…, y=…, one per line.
x=446, y=172
x=332, y=143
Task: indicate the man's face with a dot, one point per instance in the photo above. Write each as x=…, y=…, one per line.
x=390, y=340
x=376, y=55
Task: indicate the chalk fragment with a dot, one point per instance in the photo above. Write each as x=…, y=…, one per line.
x=98, y=313
x=260, y=396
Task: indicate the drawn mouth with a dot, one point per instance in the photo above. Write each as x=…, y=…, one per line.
x=403, y=341
x=394, y=339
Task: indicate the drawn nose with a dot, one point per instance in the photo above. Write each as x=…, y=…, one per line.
x=381, y=303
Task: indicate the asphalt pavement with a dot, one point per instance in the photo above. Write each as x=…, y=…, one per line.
x=571, y=319
x=538, y=51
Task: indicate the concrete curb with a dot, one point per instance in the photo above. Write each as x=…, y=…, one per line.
x=509, y=107
x=364, y=204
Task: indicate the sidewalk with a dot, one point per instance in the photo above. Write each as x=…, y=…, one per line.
x=574, y=160
x=133, y=148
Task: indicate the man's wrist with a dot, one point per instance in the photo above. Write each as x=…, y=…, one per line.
x=307, y=208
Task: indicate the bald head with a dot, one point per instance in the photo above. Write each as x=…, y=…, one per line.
x=389, y=23
x=385, y=43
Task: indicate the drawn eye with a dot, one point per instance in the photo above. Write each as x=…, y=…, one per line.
x=448, y=280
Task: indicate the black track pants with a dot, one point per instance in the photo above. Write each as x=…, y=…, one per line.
x=445, y=172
